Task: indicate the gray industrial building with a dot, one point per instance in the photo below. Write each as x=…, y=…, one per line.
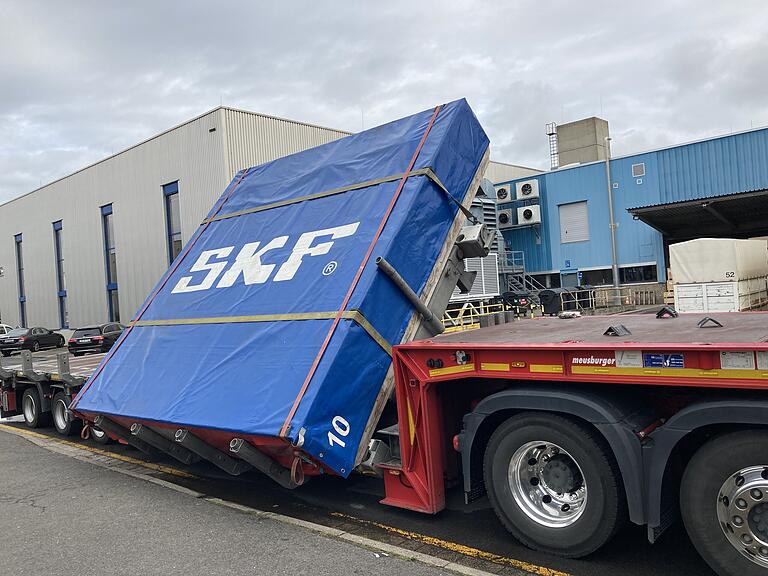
x=89, y=247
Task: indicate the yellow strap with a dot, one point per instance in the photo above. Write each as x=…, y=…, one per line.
x=367, y=184
x=354, y=315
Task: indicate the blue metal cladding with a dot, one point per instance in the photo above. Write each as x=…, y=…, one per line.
x=725, y=165
x=246, y=373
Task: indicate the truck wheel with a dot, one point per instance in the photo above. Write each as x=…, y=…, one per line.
x=554, y=484
x=65, y=424
x=99, y=436
x=31, y=407
x=724, y=503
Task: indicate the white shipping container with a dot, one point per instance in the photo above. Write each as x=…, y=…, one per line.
x=718, y=260
x=749, y=294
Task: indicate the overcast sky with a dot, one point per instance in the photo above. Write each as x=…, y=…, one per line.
x=81, y=80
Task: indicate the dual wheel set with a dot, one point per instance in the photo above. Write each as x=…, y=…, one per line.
x=60, y=416
x=555, y=485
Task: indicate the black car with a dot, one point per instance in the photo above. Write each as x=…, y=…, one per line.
x=33, y=339
x=94, y=338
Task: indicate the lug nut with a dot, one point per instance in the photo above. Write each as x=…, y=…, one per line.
x=756, y=494
x=737, y=521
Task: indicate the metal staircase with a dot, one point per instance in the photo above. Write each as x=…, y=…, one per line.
x=512, y=270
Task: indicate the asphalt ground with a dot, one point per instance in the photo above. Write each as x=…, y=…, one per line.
x=61, y=516
x=470, y=535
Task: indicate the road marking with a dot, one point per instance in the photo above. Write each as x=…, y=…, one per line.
x=459, y=548
x=100, y=452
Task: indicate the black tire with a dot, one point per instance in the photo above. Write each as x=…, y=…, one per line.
x=35, y=346
x=6, y=353
x=31, y=408
x=99, y=436
x=604, y=510
x=712, y=465
x=77, y=354
x=60, y=343
x=64, y=422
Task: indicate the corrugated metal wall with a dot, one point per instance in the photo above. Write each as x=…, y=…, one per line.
x=253, y=139
x=202, y=154
x=725, y=165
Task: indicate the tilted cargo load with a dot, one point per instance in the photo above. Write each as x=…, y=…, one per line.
x=274, y=325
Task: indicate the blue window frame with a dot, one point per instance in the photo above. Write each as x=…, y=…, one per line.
x=172, y=219
x=20, y=275
x=110, y=263
x=61, y=279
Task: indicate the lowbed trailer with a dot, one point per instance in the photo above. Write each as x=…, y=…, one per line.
x=42, y=390
x=569, y=431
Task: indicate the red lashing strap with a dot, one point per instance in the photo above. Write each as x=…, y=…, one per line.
x=342, y=308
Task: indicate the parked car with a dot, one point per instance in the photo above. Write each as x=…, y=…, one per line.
x=4, y=329
x=33, y=339
x=94, y=338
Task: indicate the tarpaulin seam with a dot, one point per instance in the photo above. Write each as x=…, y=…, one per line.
x=175, y=265
x=359, y=186
x=354, y=315
x=382, y=224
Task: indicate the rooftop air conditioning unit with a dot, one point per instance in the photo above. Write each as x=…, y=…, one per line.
x=529, y=215
x=502, y=194
x=505, y=219
x=527, y=190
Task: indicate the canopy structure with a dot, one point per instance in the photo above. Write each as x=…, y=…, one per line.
x=275, y=322
x=740, y=215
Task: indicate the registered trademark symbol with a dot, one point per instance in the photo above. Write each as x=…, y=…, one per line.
x=330, y=268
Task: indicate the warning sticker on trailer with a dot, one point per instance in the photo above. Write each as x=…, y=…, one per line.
x=762, y=360
x=629, y=359
x=663, y=361
x=737, y=360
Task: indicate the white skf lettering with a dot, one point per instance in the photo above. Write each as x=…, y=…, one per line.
x=304, y=247
x=202, y=264
x=248, y=262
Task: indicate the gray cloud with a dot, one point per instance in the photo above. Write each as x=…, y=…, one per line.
x=80, y=80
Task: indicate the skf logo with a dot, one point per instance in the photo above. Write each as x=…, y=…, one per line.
x=248, y=261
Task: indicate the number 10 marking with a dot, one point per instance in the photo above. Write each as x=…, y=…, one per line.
x=341, y=426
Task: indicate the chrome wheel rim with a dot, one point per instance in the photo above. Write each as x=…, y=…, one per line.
x=97, y=433
x=60, y=416
x=29, y=409
x=547, y=484
x=742, y=510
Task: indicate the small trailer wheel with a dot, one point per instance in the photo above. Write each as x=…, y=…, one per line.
x=554, y=484
x=31, y=407
x=63, y=421
x=99, y=436
x=724, y=503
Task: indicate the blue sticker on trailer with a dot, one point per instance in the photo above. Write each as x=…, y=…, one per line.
x=275, y=319
x=663, y=361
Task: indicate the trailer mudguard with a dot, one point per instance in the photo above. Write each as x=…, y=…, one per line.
x=274, y=321
x=725, y=411
x=611, y=414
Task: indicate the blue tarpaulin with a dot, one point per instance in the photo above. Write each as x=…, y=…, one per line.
x=237, y=336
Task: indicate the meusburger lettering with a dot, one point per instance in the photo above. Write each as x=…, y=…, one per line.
x=248, y=265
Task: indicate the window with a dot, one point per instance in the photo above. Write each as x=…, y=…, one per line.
x=172, y=219
x=113, y=302
x=574, y=222
x=638, y=274
x=638, y=170
x=20, y=274
x=602, y=277
x=61, y=279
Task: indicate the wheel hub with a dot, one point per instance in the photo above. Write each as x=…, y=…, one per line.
x=561, y=474
x=742, y=510
x=547, y=484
